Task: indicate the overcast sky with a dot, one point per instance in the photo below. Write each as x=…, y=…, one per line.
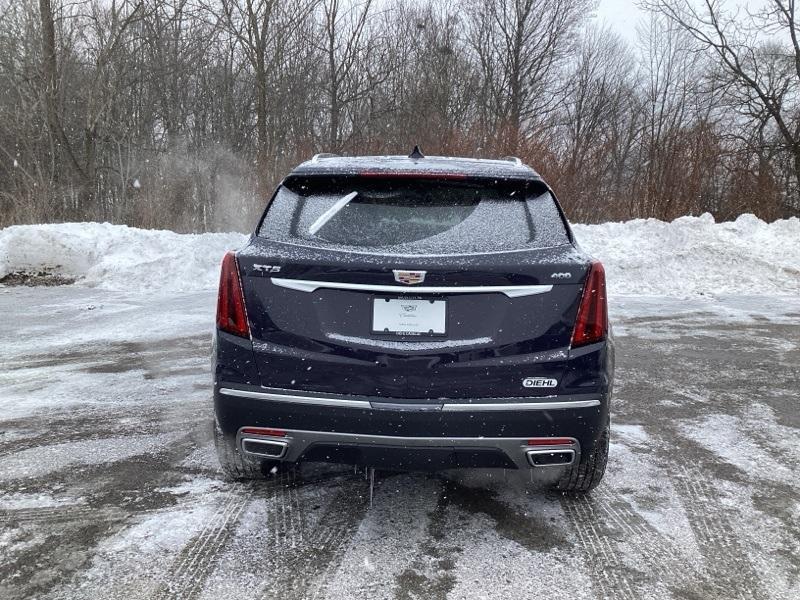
x=621, y=15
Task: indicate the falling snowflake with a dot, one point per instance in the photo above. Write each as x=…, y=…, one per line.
x=136, y=184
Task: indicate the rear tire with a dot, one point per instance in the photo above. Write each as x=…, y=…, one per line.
x=233, y=464
x=585, y=476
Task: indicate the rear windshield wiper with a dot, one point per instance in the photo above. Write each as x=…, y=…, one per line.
x=330, y=213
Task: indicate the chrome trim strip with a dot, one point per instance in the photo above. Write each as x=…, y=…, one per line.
x=512, y=291
x=400, y=406
x=484, y=406
x=296, y=399
x=400, y=440
x=445, y=407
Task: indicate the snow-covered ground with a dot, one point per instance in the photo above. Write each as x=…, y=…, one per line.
x=109, y=485
x=690, y=256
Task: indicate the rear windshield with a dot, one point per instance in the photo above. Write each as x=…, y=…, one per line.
x=402, y=216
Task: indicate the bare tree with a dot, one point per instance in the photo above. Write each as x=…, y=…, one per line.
x=598, y=105
x=185, y=113
x=104, y=40
x=759, y=58
x=520, y=45
x=352, y=69
x=266, y=30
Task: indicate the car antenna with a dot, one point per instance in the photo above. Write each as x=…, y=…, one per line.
x=416, y=153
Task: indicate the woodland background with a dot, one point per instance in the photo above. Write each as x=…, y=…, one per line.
x=184, y=114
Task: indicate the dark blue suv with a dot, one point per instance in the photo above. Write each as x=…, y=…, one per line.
x=412, y=313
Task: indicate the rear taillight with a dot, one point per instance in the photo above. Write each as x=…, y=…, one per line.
x=591, y=324
x=231, y=314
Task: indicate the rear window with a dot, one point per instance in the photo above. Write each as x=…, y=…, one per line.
x=402, y=216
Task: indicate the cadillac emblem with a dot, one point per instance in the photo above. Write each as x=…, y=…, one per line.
x=409, y=277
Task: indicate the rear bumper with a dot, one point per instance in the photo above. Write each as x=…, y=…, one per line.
x=399, y=452
x=409, y=434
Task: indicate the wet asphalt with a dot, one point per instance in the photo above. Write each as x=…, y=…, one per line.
x=109, y=486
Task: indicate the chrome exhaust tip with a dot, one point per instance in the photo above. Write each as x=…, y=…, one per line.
x=264, y=448
x=551, y=457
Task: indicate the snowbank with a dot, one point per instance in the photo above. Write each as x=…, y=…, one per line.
x=694, y=255
x=690, y=256
x=117, y=257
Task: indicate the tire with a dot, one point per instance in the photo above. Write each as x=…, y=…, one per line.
x=585, y=476
x=233, y=464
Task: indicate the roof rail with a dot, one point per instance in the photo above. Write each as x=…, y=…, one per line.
x=321, y=155
x=512, y=159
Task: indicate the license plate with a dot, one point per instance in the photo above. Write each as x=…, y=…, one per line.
x=409, y=317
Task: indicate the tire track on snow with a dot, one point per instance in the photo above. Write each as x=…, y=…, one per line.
x=310, y=556
x=606, y=567
x=187, y=575
x=732, y=573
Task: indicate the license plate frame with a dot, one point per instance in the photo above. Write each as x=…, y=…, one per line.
x=404, y=316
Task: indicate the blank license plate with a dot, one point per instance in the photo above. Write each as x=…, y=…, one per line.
x=416, y=317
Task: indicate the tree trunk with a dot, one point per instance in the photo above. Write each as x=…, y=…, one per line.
x=261, y=121
x=51, y=79
x=796, y=157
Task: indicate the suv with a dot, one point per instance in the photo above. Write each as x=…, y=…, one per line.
x=411, y=313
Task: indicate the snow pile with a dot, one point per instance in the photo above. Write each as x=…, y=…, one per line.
x=690, y=256
x=695, y=256
x=117, y=257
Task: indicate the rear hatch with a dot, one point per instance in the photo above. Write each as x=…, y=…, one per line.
x=406, y=288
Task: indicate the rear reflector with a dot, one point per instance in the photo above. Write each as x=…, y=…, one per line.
x=231, y=313
x=591, y=324
x=553, y=441
x=263, y=431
